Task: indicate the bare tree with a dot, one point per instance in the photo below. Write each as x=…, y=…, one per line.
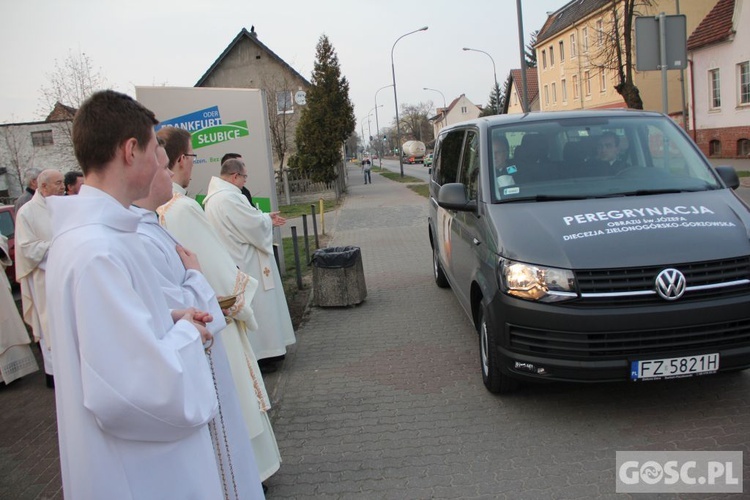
x=415, y=122
x=616, y=52
x=19, y=157
x=279, y=89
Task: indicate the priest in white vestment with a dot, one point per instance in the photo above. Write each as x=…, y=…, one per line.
x=33, y=237
x=134, y=391
x=185, y=220
x=247, y=233
x=16, y=358
x=185, y=286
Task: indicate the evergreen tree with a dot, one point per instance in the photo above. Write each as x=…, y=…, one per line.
x=493, y=105
x=530, y=52
x=327, y=120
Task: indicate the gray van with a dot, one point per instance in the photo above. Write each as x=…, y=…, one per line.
x=591, y=246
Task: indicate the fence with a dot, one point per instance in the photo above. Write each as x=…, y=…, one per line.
x=294, y=186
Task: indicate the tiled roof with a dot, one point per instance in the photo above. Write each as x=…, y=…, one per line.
x=253, y=37
x=716, y=27
x=569, y=15
x=532, y=82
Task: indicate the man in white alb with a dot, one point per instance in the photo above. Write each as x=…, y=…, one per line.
x=134, y=392
x=248, y=235
x=33, y=238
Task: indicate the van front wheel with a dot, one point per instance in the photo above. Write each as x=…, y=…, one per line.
x=437, y=269
x=494, y=379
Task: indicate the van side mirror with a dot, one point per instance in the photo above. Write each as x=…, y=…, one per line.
x=729, y=175
x=453, y=197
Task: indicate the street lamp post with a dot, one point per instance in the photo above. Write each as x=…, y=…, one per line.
x=377, y=125
x=369, y=131
x=395, y=98
x=494, y=74
x=444, y=106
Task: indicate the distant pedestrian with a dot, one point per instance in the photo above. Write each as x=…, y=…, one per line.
x=73, y=182
x=366, y=166
x=245, y=191
x=30, y=182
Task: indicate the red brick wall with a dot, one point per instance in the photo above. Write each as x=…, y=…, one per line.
x=727, y=136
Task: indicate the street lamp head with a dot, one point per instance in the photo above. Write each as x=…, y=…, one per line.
x=466, y=48
x=423, y=28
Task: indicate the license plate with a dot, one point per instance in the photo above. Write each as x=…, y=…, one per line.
x=674, y=367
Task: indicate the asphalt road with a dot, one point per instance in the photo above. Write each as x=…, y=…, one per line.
x=418, y=170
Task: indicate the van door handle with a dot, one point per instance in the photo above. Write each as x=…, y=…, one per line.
x=476, y=241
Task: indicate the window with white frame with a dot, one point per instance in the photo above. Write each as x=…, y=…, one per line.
x=546, y=95
x=564, y=90
x=714, y=86
x=562, y=52
x=284, y=102
x=544, y=59
x=587, y=83
x=585, y=42
x=551, y=55
x=573, y=46
x=42, y=138
x=554, y=93
x=576, y=88
x=599, y=33
x=743, y=70
x=464, y=110
x=603, y=80
x=743, y=147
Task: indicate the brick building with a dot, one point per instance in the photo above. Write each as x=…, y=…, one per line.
x=720, y=81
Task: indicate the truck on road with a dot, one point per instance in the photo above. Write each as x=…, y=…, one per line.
x=413, y=152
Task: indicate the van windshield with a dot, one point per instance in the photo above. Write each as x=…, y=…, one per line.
x=594, y=157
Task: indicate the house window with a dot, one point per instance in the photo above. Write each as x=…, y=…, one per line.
x=42, y=138
x=544, y=59
x=603, y=80
x=464, y=110
x=562, y=51
x=551, y=55
x=554, y=93
x=576, y=89
x=587, y=83
x=564, y=90
x=599, y=33
x=573, y=46
x=744, y=74
x=743, y=147
x=546, y=94
x=714, y=83
x=585, y=34
x=714, y=148
x=284, y=102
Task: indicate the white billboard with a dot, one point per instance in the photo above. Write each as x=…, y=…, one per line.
x=220, y=121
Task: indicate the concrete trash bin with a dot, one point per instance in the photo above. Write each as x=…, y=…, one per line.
x=338, y=277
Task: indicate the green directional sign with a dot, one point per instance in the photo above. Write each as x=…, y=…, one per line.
x=220, y=133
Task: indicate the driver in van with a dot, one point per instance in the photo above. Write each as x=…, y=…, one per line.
x=501, y=162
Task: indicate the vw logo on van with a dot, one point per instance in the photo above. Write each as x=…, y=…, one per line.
x=670, y=284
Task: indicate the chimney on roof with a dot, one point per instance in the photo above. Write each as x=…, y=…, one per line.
x=252, y=31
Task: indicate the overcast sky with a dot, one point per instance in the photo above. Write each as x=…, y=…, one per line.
x=155, y=42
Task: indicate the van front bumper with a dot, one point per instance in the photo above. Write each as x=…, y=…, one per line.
x=565, y=342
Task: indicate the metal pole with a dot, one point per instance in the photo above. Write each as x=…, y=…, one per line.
x=395, y=99
x=682, y=85
x=377, y=126
x=494, y=73
x=663, y=62
x=315, y=226
x=296, y=257
x=307, y=238
x=521, y=48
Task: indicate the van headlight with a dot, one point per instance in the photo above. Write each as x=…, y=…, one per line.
x=537, y=283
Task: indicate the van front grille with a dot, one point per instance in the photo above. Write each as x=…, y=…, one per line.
x=616, y=344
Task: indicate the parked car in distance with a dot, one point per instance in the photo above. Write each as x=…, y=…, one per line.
x=428, y=160
x=8, y=229
x=591, y=246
